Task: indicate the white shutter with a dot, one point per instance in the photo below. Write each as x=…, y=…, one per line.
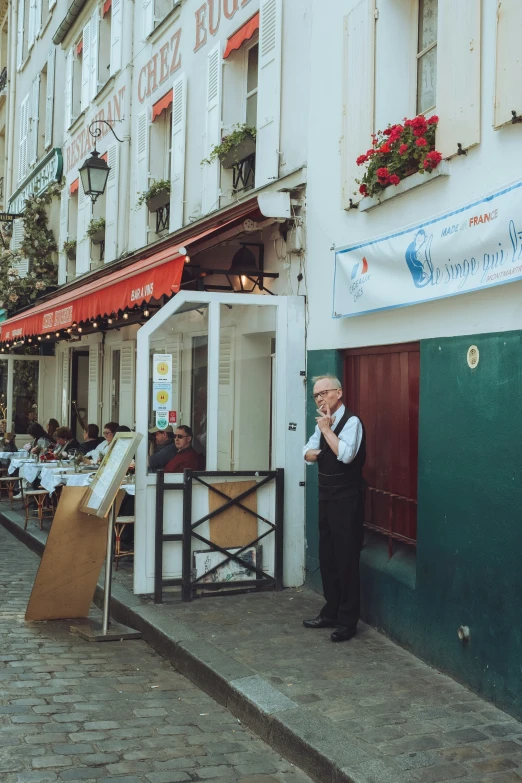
x=93, y=408
x=83, y=243
x=269, y=92
x=22, y=264
x=52, y=3
x=116, y=32
x=33, y=128
x=358, y=92
x=49, y=99
x=68, y=88
x=65, y=389
x=127, y=383
x=173, y=347
x=86, y=67
x=226, y=403
x=211, y=171
x=37, y=17
x=93, y=57
x=177, y=175
x=111, y=201
x=458, y=75
x=20, y=34
x=148, y=17
x=31, y=33
x=142, y=177
x=24, y=135
x=64, y=235
x=508, y=66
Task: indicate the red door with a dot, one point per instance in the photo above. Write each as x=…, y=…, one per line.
x=381, y=386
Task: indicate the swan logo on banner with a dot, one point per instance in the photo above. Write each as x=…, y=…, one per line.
x=474, y=247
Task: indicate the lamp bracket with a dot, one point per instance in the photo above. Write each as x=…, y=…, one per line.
x=98, y=131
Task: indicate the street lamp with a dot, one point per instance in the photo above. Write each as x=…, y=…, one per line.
x=244, y=269
x=95, y=171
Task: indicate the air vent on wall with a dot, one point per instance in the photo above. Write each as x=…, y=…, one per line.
x=473, y=356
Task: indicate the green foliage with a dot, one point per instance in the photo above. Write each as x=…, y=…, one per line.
x=69, y=245
x=95, y=226
x=157, y=187
x=231, y=141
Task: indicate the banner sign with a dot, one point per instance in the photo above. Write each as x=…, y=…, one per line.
x=477, y=246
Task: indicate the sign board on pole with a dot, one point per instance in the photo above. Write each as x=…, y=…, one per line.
x=161, y=396
x=173, y=417
x=161, y=367
x=162, y=421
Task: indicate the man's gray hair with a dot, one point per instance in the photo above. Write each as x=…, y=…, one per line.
x=336, y=383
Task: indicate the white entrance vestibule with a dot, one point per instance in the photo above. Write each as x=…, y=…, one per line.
x=238, y=364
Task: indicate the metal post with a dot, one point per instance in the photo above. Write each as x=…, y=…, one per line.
x=108, y=574
x=279, y=519
x=186, y=589
x=158, y=543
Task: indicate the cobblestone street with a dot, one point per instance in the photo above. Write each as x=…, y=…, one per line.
x=71, y=710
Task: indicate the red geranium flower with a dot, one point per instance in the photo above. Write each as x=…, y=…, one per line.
x=421, y=142
x=361, y=159
x=433, y=120
x=432, y=160
x=403, y=149
x=385, y=148
x=363, y=190
x=387, y=131
x=369, y=153
x=394, y=179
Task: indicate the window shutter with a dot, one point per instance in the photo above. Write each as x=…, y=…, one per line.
x=35, y=106
x=93, y=57
x=111, y=201
x=21, y=264
x=177, y=185
x=86, y=67
x=508, y=67
x=211, y=171
x=142, y=178
x=65, y=389
x=83, y=244
x=64, y=234
x=173, y=347
x=148, y=17
x=24, y=133
x=37, y=17
x=269, y=92
x=127, y=383
x=116, y=32
x=93, y=408
x=20, y=34
x=458, y=75
x=31, y=33
x=68, y=88
x=225, y=403
x=49, y=100
x=52, y=3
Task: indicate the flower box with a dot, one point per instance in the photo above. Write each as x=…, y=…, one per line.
x=243, y=150
x=161, y=199
x=98, y=236
x=71, y=253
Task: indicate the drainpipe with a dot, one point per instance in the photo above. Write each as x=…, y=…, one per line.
x=13, y=33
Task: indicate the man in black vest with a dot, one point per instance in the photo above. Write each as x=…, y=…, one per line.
x=338, y=445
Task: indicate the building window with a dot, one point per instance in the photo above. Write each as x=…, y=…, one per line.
x=427, y=55
x=76, y=95
x=42, y=110
x=161, y=165
x=162, y=8
x=381, y=386
x=104, y=49
x=252, y=65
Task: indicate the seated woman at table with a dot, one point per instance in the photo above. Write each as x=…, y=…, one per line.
x=40, y=440
x=52, y=425
x=66, y=443
x=108, y=433
x=91, y=439
x=7, y=441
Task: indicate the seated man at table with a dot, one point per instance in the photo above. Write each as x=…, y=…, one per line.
x=65, y=443
x=165, y=449
x=186, y=458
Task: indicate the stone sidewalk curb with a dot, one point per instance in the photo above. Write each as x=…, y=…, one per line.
x=305, y=738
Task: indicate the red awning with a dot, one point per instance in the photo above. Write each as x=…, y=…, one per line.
x=104, y=156
x=146, y=279
x=162, y=104
x=79, y=47
x=245, y=33
x=106, y=7
x=74, y=186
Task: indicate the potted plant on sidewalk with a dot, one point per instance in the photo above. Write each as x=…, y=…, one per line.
x=96, y=230
x=69, y=248
x=398, y=152
x=234, y=147
x=156, y=197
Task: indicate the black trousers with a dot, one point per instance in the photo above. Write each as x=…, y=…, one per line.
x=341, y=519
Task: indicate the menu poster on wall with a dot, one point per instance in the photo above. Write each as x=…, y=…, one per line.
x=161, y=396
x=161, y=367
x=102, y=492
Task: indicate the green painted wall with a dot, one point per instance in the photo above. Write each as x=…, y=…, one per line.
x=468, y=566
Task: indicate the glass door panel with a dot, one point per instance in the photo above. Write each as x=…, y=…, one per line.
x=25, y=395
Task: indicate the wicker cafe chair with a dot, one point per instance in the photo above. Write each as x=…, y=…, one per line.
x=44, y=510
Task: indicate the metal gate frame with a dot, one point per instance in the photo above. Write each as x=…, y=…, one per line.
x=188, y=584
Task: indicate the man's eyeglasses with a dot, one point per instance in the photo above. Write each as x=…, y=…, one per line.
x=320, y=395
x=180, y=437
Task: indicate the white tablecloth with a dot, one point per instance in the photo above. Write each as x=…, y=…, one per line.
x=30, y=471
x=17, y=463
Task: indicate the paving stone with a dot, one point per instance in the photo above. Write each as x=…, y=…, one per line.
x=51, y=761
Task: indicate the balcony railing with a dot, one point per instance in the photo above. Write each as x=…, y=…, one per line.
x=1, y=189
x=243, y=174
x=3, y=80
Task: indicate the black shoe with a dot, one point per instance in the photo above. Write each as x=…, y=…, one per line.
x=343, y=634
x=319, y=622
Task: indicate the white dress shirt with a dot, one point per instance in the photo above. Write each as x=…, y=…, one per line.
x=99, y=451
x=349, y=438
